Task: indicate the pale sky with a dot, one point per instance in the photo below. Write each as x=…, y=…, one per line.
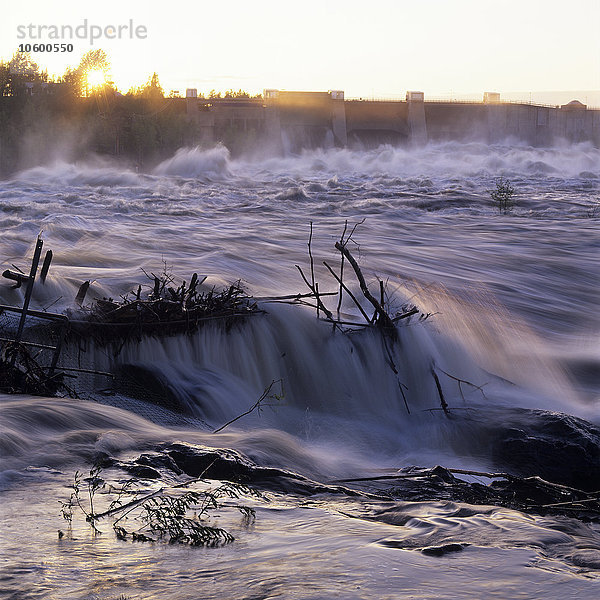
x=367, y=48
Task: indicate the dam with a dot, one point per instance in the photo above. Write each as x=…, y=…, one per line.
x=147, y=131
x=293, y=120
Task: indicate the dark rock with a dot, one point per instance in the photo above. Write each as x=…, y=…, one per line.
x=210, y=463
x=442, y=550
x=159, y=461
x=103, y=460
x=554, y=446
x=229, y=465
x=442, y=474
x=587, y=558
x=530, y=494
x=393, y=544
x=142, y=472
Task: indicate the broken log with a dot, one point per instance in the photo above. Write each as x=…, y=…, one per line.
x=46, y=266
x=81, y=292
x=18, y=278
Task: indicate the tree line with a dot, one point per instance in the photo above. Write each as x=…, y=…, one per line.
x=63, y=118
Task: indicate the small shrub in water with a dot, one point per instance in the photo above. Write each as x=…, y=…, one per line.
x=160, y=516
x=503, y=194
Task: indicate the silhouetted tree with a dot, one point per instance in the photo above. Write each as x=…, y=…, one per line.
x=92, y=60
x=19, y=71
x=238, y=94
x=152, y=90
x=4, y=79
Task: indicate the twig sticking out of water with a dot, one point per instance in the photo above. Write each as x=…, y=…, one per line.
x=258, y=404
x=315, y=293
x=20, y=372
x=343, y=286
x=380, y=319
x=344, y=240
x=313, y=285
x=438, y=385
x=461, y=381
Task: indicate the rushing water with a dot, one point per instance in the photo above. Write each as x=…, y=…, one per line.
x=514, y=308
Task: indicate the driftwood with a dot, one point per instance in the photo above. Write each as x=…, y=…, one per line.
x=164, y=310
x=20, y=372
x=18, y=278
x=312, y=285
x=438, y=385
x=381, y=317
x=160, y=308
x=343, y=286
x=315, y=294
x=382, y=320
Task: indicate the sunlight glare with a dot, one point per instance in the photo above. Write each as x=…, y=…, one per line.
x=96, y=78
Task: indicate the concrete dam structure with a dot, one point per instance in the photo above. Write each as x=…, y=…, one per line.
x=291, y=121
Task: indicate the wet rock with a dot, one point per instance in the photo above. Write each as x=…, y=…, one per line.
x=229, y=465
x=103, y=460
x=210, y=463
x=554, y=446
x=442, y=474
x=531, y=494
x=588, y=558
x=442, y=550
x=393, y=544
x=159, y=461
x=142, y=472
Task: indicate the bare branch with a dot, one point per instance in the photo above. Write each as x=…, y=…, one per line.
x=384, y=319
x=266, y=394
x=438, y=385
x=343, y=286
x=316, y=295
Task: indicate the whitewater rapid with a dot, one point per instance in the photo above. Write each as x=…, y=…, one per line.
x=513, y=303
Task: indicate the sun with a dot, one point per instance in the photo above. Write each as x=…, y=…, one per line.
x=95, y=78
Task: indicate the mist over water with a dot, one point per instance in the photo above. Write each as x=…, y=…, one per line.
x=514, y=308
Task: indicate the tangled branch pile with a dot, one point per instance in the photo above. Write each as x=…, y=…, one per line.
x=165, y=309
x=20, y=373
x=381, y=317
